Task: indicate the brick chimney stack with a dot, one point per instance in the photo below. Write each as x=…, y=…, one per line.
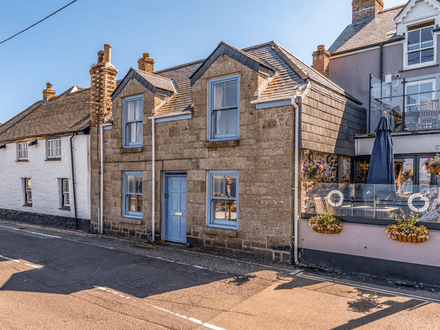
x=146, y=63
x=321, y=61
x=103, y=83
x=364, y=8
x=48, y=93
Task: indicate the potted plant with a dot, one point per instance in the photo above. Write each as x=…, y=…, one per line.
x=313, y=170
x=406, y=230
x=432, y=165
x=326, y=223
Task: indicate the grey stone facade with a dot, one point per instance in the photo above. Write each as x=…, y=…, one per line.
x=263, y=156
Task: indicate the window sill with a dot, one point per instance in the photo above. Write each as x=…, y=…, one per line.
x=218, y=230
x=127, y=150
x=53, y=159
x=22, y=161
x=64, y=208
x=419, y=68
x=132, y=221
x=28, y=205
x=221, y=144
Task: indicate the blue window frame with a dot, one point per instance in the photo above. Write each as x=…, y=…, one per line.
x=223, y=199
x=224, y=108
x=133, y=121
x=133, y=194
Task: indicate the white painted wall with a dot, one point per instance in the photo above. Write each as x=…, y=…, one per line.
x=44, y=175
x=372, y=242
x=404, y=144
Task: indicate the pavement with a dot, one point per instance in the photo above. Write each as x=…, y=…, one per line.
x=63, y=279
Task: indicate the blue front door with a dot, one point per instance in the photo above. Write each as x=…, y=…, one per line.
x=175, y=208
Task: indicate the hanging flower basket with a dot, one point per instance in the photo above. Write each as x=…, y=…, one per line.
x=406, y=230
x=432, y=165
x=325, y=223
x=313, y=170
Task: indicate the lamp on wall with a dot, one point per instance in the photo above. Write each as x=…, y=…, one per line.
x=2, y=146
x=33, y=143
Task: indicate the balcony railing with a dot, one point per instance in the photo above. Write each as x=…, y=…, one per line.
x=410, y=104
x=368, y=201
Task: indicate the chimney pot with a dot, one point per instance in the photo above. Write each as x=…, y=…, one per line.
x=107, y=53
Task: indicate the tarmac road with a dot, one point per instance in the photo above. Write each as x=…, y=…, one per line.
x=58, y=279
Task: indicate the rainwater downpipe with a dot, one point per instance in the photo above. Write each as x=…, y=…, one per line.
x=73, y=180
x=101, y=210
x=296, y=185
x=153, y=178
x=297, y=105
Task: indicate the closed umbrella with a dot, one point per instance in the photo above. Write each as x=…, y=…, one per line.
x=382, y=157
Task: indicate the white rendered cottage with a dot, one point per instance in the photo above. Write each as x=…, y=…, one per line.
x=45, y=161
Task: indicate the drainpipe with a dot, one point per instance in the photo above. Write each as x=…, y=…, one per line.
x=153, y=178
x=101, y=209
x=297, y=105
x=73, y=180
x=296, y=186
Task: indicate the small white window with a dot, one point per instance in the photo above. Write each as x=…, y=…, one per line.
x=22, y=151
x=64, y=193
x=53, y=148
x=27, y=191
x=420, y=46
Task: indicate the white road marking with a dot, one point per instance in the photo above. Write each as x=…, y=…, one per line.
x=30, y=232
x=368, y=288
x=204, y=324
x=21, y=262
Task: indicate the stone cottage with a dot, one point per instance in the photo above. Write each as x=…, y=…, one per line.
x=205, y=153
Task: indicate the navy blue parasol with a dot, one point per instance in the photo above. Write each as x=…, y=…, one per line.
x=382, y=157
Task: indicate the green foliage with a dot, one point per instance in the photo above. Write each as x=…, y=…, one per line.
x=406, y=226
x=325, y=220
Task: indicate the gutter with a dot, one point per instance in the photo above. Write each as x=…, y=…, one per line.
x=101, y=174
x=171, y=115
x=73, y=181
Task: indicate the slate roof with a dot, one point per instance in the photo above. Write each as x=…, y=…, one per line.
x=368, y=31
x=290, y=74
x=66, y=113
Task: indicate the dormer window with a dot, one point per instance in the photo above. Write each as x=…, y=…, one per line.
x=420, y=45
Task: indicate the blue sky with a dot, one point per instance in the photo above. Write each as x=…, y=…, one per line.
x=62, y=48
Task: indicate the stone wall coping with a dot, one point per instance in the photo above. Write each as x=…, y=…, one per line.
x=131, y=221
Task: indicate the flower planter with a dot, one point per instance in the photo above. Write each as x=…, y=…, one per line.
x=409, y=239
x=325, y=230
